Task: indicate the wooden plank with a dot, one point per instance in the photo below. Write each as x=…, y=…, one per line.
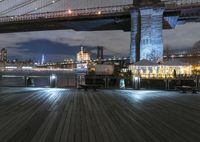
x=60, y=115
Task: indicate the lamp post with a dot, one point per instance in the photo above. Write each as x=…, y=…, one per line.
x=136, y=82
x=53, y=81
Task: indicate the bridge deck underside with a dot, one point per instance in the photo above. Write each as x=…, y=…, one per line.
x=107, y=21
x=81, y=24
x=84, y=23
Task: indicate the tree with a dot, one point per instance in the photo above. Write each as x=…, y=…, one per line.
x=174, y=73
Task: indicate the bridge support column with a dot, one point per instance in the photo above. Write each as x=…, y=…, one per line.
x=157, y=34
x=135, y=36
x=147, y=26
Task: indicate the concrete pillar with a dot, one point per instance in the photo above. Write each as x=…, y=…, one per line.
x=146, y=34
x=134, y=33
x=157, y=33
x=151, y=45
x=145, y=44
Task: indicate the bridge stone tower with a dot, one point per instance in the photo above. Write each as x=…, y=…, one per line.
x=146, y=32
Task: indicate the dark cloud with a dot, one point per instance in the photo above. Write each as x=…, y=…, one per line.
x=52, y=50
x=47, y=47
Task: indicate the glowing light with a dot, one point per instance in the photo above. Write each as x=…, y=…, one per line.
x=11, y=67
x=53, y=93
x=10, y=76
x=140, y=96
x=53, y=77
x=136, y=78
x=69, y=11
x=27, y=68
x=99, y=12
x=122, y=84
x=159, y=71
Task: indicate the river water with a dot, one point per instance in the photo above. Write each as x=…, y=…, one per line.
x=65, y=79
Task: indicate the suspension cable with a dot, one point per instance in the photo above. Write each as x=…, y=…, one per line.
x=39, y=8
x=18, y=6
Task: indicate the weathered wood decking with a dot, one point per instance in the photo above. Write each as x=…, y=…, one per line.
x=58, y=115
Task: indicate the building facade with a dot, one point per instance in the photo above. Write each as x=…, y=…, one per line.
x=83, y=56
x=3, y=55
x=147, y=69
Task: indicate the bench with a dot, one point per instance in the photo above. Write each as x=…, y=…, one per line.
x=195, y=90
x=187, y=88
x=89, y=86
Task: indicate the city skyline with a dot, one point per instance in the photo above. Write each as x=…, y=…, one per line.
x=60, y=44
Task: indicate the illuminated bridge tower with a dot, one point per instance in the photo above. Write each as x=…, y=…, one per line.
x=135, y=31
x=151, y=43
x=146, y=32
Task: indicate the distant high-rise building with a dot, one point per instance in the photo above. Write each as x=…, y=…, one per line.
x=99, y=52
x=3, y=56
x=43, y=60
x=83, y=56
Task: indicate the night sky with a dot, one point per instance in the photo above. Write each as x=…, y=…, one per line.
x=58, y=45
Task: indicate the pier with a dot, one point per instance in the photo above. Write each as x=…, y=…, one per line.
x=72, y=115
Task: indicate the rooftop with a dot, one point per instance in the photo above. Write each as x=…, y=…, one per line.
x=145, y=62
x=175, y=63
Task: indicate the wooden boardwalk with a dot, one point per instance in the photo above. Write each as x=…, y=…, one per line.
x=62, y=115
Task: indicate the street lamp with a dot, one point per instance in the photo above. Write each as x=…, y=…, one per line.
x=53, y=81
x=136, y=82
x=69, y=11
x=99, y=12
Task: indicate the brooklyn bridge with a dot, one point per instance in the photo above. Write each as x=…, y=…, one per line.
x=145, y=19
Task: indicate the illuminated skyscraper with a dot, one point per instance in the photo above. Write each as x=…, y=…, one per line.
x=43, y=60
